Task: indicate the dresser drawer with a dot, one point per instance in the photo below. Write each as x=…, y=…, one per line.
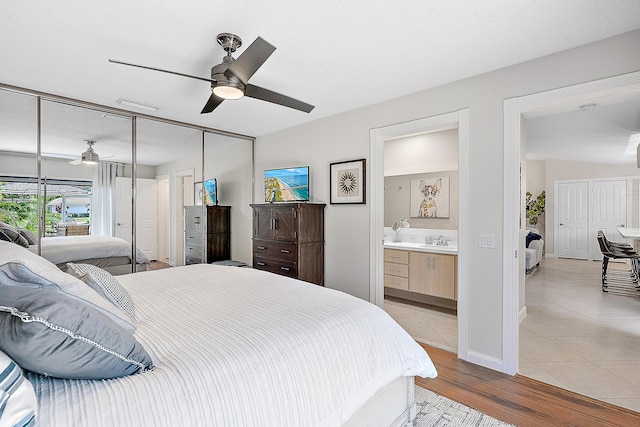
x=193, y=251
x=192, y=238
x=396, y=282
x=401, y=270
x=397, y=256
x=276, y=250
x=188, y=260
x=283, y=268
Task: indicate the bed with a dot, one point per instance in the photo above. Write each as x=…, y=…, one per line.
x=233, y=347
x=110, y=253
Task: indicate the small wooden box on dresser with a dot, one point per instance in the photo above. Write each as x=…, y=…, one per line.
x=217, y=232
x=288, y=239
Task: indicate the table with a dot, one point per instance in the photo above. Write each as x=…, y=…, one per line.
x=631, y=233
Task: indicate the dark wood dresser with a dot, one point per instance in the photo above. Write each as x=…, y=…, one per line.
x=217, y=230
x=288, y=239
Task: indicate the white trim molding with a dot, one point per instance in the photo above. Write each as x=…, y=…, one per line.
x=513, y=110
x=523, y=314
x=460, y=120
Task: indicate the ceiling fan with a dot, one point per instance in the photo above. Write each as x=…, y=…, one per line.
x=230, y=79
x=88, y=157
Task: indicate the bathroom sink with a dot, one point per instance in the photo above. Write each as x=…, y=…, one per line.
x=423, y=246
x=405, y=244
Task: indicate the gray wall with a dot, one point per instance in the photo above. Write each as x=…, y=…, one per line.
x=397, y=201
x=346, y=136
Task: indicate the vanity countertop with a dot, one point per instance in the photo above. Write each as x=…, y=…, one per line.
x=422, y=247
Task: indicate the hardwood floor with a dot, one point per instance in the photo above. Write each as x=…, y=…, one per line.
x=519, y=400
x=157, y=265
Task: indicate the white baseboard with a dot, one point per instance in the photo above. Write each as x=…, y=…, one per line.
x=486, y=361
x=522, y=314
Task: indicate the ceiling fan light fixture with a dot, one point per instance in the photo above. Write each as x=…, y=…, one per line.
x=228, y=92
x=90, y=157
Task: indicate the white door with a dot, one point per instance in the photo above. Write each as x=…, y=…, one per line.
x=573, y=223
x=123, y=208
x=164, y=219
x=609, y=206
x=147, y=217
x=146, y=214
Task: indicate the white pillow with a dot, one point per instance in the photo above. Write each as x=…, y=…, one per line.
x=105, y=284
x=17, y=398
x=20, y=267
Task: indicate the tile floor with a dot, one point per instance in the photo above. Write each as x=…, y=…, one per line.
x=574, y=336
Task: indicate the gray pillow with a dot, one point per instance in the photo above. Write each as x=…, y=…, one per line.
x=49, y=333
x=11, y=234
x=105, y=284
x=21, y=267
x=29, y=235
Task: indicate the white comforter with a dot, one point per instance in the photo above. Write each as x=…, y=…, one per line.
x=61, y=249
x=241, y=347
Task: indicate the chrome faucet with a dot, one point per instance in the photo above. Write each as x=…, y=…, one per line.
x=442, y=241
x=399, y=225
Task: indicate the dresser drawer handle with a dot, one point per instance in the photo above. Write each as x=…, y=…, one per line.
x=261, y=263
x=262, y=248
x=285, y=268
x=284, y=251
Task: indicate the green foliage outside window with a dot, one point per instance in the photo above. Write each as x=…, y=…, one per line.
x=21, y=210
x=535, y=207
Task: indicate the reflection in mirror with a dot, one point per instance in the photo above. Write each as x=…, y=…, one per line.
x=88, y=151
x=18, y=160
x=228, y=166
x=173, y=154
x=85, y=188
x=85, y=169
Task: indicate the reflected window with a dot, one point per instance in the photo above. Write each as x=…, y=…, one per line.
x=67, y=203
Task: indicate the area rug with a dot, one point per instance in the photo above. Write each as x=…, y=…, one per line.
x=436, y=410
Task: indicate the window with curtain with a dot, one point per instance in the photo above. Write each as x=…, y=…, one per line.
x=103, y=200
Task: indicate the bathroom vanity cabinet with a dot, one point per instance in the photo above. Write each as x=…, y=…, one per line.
x=420, y=274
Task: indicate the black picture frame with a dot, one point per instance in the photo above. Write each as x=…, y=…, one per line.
x=347, y=182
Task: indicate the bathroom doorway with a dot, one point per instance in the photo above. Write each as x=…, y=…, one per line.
x=421, y=235
x=428, y=323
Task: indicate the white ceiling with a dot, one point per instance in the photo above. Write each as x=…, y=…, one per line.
x=336, y=55
x=602, y=130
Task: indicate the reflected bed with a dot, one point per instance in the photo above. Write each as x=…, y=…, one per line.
x=110, y=253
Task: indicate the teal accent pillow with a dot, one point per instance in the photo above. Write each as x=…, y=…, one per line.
x=17, y=398
x=52, y=334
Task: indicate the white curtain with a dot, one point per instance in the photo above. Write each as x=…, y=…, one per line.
x=102, y=204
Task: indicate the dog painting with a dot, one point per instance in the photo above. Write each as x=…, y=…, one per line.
x=430, y=198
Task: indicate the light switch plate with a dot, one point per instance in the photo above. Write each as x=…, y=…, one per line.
x=487, y=241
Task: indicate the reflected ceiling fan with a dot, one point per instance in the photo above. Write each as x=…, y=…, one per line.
x=230, y=79
x=89, y=157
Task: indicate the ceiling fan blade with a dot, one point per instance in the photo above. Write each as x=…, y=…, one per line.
x=250, y=60
x=162, y=71
x=212, y=103
x=257, y=92
x=75, y=162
